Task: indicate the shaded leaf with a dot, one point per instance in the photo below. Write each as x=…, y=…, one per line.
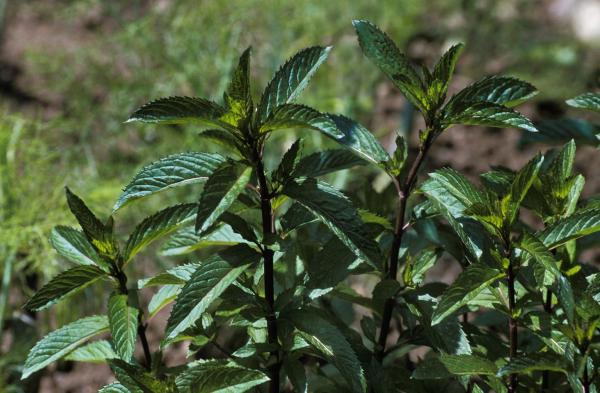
x=472, y=281
x=73, y=245
x=337, y=212
x=220, y=191
x=446, y=366
x=535, y=362
x=206, y=284
x=237, y=97
x=94, y=352
x=590, y=101
x=187, y=240
x=331, y=343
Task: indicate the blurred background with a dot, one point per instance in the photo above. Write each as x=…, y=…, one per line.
x=72, y=71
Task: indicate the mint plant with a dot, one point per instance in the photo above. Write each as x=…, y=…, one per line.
x=270, y=251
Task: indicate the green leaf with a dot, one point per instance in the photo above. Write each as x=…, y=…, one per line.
x=220, y=191
x=162, y=298
x=114, y=387
x=535, y=362
x=63, y=285
x=534, y=247
x=470, y=283
x=217, y=376
x=137, y=379
x=520, y=186
x=446, y=366
x=157, y=225
x=172, y=171
x=501, y=90
x=291, y=79
x=486, y=114
x=237, y=97
x=381, y=50
x=180, y=110
x=123, y=321
x=177, y=275
x=459, y=186
x=589, y=101
x=73, y=245
x=97, y=233
x=206, y=284
x=338, y=213
x=331, y=343
x=298, y=116
x=186, y=240
x=294, y=369
x=95, y=352
x=288, y=162
x=442, y=73
x=555, y=131
x=580, y=223
x=62, y=341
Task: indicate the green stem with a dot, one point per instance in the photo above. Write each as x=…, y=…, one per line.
x=6, y=276
x=512, y=322
x=268, y=230
x=399, y=229
x=141, y=326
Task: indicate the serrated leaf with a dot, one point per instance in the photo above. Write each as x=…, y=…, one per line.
x=520, y=186
x=535, y=362
x=459, y=186
x=580, y=223
x=157, y=225
x=177, y=275
x=114, y=387
x=217, y=376
x=162, y=298
x=381, y=50
x=94, y=352
x=123, y=322
x=442, y=73
x=358, y=139
x=135, y=378
x=172, y=171
x=180, y=110
x=221, y=190
x=555, y=131
x=486, y=114
x=322, y=163
x=288, y=162
x=223, y=138
x=338, y=213
x=237, y=97
x=186, y=240
x=63, y=285
x=206, y=284
x=62, y=341
x=73, y=245
x=472, y=281
x=331, y=343
x=291, y=79
x=97, y=233
x=446, y=366
x=298, y=116
x=534, y=247
x=590, y=101
x=501, y=90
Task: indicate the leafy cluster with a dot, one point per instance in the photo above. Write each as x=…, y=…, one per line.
x=278, y=245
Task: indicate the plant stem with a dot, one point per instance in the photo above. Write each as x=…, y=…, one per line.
x=268, y=229
x=141, y=328
x=586, y=380
x=403, y=195
x=512, y=322
x=547, y=309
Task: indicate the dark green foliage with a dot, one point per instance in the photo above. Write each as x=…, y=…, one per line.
x=270, y=251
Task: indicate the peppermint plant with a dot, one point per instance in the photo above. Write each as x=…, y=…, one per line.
x=269, y=252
